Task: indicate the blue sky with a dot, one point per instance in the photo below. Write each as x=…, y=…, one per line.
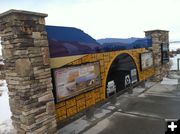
x=106, y=18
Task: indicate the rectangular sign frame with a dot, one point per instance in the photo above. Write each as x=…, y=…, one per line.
x=70, y=81
x=146, y=60
x=164, y=53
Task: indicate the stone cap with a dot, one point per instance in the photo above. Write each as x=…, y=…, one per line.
x=12, y=11
x=156, y=30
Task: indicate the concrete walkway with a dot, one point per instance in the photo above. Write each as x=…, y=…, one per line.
x=143, y=112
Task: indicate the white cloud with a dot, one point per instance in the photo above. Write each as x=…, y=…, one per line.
x=110, y=18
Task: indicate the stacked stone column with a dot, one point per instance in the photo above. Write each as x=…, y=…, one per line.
x=159, y=37
x=28, y=75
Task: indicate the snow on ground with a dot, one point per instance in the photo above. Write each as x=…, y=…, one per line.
x=167, y=81
x=174, y=75
x=174, y=46
x=4, y=103
x=5, y=114
x=6, y=127
x=174, y=61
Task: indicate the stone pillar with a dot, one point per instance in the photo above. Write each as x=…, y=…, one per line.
x=26, y=54
x=159, y=37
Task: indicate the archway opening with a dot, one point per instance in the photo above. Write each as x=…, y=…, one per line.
x=122, y=74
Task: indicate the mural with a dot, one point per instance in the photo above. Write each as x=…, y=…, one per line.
x=69, y=41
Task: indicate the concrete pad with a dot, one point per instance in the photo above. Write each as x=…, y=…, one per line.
x=75, y=127
x=164, y=107
x=143, y=112
x=164, y=89
x=120, y=123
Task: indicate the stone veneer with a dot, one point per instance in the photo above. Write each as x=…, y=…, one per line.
x=26, y=54
x=159, y=37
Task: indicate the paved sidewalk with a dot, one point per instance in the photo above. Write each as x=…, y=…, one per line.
x=143, y=112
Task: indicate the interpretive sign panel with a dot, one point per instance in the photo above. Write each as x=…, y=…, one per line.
x=146, y=60
x=165, y=53
x=70, y=81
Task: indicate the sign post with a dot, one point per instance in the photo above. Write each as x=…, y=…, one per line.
x=178, y=60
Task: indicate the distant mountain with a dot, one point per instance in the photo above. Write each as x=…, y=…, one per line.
x=120, y=40
x=174, y=42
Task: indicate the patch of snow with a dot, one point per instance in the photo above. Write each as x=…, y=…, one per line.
x=174, y=46
x=111, y=107
x=120, y=110
x=174, y=62
x=167, y=81
x=5, y=113
x=7, y=128
x=139, y=114
x=138, y=89
x=142, y=95
x=117, y=104
x=161, y=88
x=174, y=75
